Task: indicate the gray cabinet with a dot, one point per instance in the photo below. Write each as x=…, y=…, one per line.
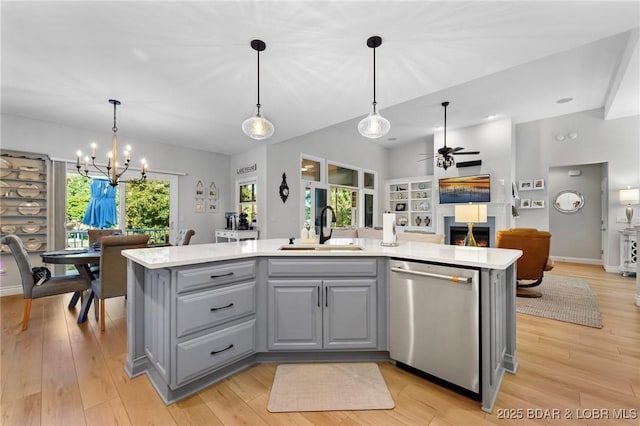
x=199, y=319
x=307, y=311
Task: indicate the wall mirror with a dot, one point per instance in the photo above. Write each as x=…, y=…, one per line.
x=568, y=201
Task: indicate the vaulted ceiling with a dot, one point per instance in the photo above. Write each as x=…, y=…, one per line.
x=186, y=75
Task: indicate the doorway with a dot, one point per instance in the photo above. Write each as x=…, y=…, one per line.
x=578, y=236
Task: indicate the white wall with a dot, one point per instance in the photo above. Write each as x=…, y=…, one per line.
x=62, y=142
x=599, y=141
x=494, y=141
x=408, y=160
x=341, y=143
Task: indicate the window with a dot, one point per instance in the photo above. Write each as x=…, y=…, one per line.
x=310, y=169
x=349, y=190
x=146, y=207
x=247, y=202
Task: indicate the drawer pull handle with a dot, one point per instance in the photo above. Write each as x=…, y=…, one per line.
x=222, y=350
x=223, y=275
x=222, y=307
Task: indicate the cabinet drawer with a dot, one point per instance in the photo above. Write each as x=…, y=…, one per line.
x=208, y=308
x=195, y=278
x=322, y=267
x=214, y=350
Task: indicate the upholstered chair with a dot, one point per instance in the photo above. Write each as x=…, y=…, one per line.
x=184, y=237
x=535, y=246
x=112, y=281
x=30, y=291
x=95, y=235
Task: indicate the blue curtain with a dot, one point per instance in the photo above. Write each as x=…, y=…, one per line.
x=101, y=211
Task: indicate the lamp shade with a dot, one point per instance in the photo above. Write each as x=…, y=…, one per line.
x=471, y=213
x=630, y=196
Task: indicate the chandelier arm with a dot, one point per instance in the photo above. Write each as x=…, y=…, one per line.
x=106, y=173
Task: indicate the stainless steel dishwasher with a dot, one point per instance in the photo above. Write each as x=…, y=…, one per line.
x=434, y=323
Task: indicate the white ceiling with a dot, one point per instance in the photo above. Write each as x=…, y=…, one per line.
x=186, y=75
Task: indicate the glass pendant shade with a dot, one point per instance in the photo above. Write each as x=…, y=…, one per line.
x=257, y=127
x=374, y=125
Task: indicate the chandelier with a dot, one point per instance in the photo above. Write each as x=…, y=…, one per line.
x=111, y=171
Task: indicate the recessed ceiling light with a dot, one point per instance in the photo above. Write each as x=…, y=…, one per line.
x=564, y=100
x=438, y=128
x=491, y=117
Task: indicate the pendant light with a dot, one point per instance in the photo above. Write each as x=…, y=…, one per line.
x=374, y=125
x=445, y=160
x=258, y=127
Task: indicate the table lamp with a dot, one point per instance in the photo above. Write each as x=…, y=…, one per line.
x=629, y=197
x=470, y=213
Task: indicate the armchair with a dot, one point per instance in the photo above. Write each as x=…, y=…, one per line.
x=30, y=291
x=535, y=246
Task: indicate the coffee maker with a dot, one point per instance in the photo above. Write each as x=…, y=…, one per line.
x=232, y=220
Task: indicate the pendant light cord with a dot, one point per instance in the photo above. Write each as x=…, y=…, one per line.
x=374, y=76
x=258, y=105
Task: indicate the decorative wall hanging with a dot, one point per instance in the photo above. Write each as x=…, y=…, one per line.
x=212, y=204
x=199, y=198
x=284, y=188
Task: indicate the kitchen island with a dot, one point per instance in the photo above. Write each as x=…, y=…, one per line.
x=200, y=313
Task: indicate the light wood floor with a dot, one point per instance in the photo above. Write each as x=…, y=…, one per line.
x=60, y=373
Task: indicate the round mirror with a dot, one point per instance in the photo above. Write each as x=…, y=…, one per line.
x=568, y=201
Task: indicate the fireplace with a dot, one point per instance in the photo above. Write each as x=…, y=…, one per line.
x=457, y=235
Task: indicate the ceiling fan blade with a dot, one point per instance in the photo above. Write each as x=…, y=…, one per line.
x=467, y=153
x=456, y=149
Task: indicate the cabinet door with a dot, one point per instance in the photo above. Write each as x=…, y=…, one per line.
x=295, y=314
x=350, y=320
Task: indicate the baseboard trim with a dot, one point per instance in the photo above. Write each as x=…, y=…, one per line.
x=582, y=260
x=10, y=290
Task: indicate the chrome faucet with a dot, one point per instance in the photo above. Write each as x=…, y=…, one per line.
x=323, y=220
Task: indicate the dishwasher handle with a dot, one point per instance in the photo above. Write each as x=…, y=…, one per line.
x=452, y=278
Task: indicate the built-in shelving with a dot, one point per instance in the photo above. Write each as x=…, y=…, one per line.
x=412, y=201
x=23, y=199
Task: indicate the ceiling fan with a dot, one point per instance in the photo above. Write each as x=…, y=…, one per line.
x=445, y=154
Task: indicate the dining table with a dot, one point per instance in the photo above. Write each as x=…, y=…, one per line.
x=81, y=259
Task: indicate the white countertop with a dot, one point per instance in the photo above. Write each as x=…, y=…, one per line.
x=164, y=257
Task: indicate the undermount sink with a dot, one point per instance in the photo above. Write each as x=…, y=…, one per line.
x=319, y=247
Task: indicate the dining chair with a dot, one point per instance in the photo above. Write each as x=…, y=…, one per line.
x=95, y=235
x=184, y=237
x=95, y=238
x=53, y=286
x=112, y=281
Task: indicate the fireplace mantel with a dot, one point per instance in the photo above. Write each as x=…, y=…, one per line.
x=501, y=212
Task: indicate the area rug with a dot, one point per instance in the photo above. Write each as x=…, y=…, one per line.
x=329, y=387
x=564, y=299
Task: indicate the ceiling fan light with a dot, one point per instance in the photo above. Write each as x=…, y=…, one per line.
x=374, y=125
x=258, y=127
